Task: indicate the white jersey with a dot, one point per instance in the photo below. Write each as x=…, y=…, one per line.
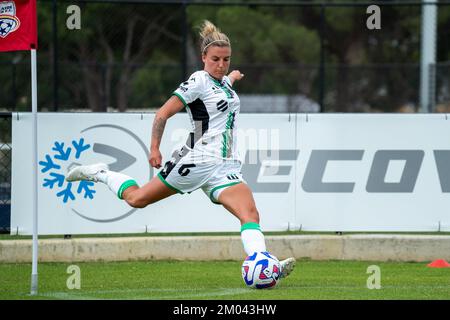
x=213, y=107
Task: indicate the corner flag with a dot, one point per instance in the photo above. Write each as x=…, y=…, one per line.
x=18, y=31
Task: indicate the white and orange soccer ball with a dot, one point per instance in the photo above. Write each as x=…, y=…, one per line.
x=261, y=270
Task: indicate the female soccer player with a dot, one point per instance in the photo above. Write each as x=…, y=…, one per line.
x=209, y=160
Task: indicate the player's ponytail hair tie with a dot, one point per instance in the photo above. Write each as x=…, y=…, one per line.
x=211, y=35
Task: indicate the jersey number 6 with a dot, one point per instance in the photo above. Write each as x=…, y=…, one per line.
x=184, y=171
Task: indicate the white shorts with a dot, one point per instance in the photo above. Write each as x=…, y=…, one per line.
x=212, y=175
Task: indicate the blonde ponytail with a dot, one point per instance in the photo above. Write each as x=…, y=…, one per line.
x=211, y=35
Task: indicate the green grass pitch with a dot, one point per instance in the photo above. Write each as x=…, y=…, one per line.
x=222, y=280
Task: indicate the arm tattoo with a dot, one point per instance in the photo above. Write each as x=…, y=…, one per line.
x=158, y=130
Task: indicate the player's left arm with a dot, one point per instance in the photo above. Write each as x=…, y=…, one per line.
x=235, y=75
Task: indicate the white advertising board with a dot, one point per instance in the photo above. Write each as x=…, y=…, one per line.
x=320, y=172
x=374, y=172
x=122, y=141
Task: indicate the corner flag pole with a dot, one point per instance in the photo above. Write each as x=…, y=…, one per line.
x=34, y=267
x=19, y=32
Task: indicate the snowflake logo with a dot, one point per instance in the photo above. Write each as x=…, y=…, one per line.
x=51, y=166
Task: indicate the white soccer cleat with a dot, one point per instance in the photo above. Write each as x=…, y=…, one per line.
x=88, y=172
x=287, y=266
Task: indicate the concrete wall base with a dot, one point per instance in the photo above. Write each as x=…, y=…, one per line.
x=314, y=247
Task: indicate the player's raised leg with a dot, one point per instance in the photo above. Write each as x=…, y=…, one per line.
x=149, y=193
x=238, y=199
x=123, y=186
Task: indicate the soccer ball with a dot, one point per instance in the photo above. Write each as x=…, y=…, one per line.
x=261, y=270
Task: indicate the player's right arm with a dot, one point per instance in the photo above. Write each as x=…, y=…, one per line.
x=186, y=93
x=172, y=106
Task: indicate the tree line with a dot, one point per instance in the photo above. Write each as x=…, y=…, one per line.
x=132, y=56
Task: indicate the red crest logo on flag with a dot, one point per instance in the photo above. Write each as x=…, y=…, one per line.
x=8, y=20
x=18, y=25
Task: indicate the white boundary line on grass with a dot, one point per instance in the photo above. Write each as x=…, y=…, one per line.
x=188, y=294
